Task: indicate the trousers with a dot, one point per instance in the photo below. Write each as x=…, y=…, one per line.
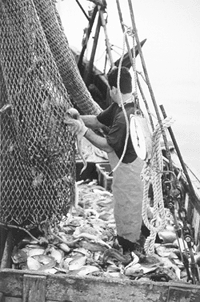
x=128, y=194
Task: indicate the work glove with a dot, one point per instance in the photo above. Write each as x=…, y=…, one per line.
x=74, y=120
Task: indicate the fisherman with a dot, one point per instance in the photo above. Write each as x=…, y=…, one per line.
x=127, y=184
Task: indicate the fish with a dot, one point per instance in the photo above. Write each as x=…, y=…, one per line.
x=84, y=244
x=102, y=191
x=176, y=259
x=38, y=179
x=86, y=235
x=77, y=263
x=66, y=263
x=167, y=236
x=25, y=241
x=106, y=215
x=97, y=256
x=44, y=259
x=92, y=246
x=87, y=269
x=93, y=238
x=64, y=247
x=91, y=212
x=35, y=251
x=115, y=254
x=112, y=274
x=164, y=251
x=148, y=265
x=52, y=270
x=136, y=268
x=18, y=255
x=135, y=260
x=168, y=273
x=46, y=262
x=33, y=264
x=175, y=271
x=85, y=231
x=56, y=254
x=68, y=239
x=82, y=251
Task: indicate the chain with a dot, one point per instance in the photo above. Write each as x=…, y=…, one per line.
x=174, y=201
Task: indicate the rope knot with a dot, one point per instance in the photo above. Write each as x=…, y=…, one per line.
x=129, y=30
x=146, y=172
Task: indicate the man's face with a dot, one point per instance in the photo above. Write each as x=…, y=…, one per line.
x=113, y=94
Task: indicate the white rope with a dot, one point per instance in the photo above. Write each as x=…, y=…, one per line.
x=128, y=31
x=151, y=174
x=131, y=33
x=134, y=65
x=122, y=105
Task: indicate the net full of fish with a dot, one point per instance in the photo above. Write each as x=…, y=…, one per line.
x=84, y=244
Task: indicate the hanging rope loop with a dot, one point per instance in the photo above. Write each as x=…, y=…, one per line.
x=151, y=175
x=122, y=105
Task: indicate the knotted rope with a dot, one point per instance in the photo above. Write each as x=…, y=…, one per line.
x=151, y=174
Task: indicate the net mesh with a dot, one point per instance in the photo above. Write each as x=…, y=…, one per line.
x=39, y=81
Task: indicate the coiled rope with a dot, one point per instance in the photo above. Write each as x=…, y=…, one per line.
x=151, y=174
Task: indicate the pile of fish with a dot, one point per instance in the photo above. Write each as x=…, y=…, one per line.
x=85, y=243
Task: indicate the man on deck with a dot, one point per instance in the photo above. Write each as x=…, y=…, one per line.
x=127, y=184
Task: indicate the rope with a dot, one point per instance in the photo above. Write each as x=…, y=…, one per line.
x=122, y=105
x=130, y=32
x=134, y=64
x=151, y=174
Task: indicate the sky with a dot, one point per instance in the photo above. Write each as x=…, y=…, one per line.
x=171, y=53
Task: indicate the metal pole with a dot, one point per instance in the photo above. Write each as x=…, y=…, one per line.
x=131, y=60
x=149, y=85
x=91, y=22
x=91, y=61
x=106, y=38
x=82, y=10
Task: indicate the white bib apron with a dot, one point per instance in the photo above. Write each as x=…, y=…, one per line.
x=128, y=193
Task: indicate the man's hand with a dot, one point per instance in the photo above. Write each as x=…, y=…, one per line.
x=79, y=129
x=74, y=120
